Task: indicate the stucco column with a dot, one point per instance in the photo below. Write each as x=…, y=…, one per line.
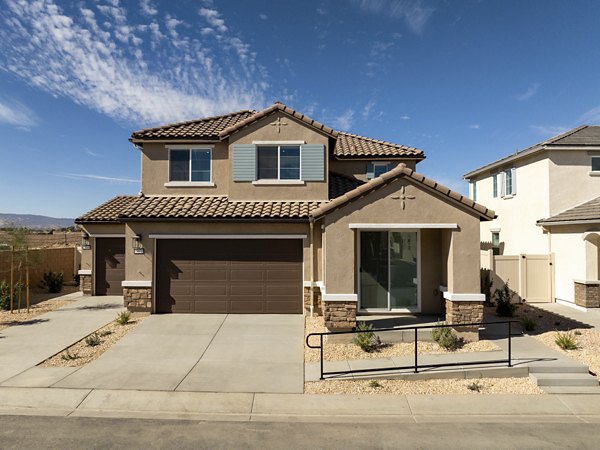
x=464, y=300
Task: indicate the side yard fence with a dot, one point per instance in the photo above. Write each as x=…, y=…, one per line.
x=65, y=260
x=530, y=276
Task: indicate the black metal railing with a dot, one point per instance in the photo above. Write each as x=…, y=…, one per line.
x=415, y=366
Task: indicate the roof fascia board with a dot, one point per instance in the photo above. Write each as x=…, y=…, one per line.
x=503, y=161
x=568, y=222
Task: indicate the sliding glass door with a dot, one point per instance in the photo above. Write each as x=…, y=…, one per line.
x=388, y=270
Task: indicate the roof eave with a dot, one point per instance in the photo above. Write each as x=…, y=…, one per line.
x=554, y=223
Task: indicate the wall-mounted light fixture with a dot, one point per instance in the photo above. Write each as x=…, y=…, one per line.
x=136, y=241
x=85, y=242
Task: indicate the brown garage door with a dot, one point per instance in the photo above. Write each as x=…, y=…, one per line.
x=110, y=265
x=250, y=276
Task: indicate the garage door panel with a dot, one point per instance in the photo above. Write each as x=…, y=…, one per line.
x=229, y=275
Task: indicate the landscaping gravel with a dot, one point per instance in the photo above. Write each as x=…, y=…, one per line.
x=423, y=387
x=83, y=353
x=340, y=351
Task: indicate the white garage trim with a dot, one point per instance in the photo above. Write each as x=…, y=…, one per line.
x=227, y=236
x=401, y=226
x=136, y=283
x=108, y=235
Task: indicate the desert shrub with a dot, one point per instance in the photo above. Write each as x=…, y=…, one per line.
x=566, y=340
x=53, y=281
x=123, y=317
x=502, y=296
x=104, y=333
x=68, y=356
x=375, y=384
x=445, y=337
x=528, y=323
x=366, y=339
x=93, y=340
x=4, y=295
x=486, y=284
x=475, y=386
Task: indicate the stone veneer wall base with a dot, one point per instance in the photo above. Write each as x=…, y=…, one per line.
x=138, y=298
x=461, y=312
x=318, y=310
x=85, y=284
x=339, y=315
x=587, y=295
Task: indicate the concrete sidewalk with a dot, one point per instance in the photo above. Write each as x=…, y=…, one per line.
x=24, y=346
x=476, y=408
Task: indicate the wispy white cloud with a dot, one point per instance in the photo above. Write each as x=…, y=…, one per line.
x=263, y=16
x=591, y=117
x=321, y=11
x=530, y=92
x=548, y=130
x=366, y=112
x=405, y=117
x=148, y=8
x=81, y=54
x=15, y=113
x=91, y=152
x=474, y=126
x=414, y=13
x=344, y=121
x=90, y=177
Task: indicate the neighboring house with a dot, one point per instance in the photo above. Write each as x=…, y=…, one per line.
x=545, y=197
x=272, y=212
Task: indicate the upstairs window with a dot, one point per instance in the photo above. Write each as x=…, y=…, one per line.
x=280, y=162
x=378, y=168
x=596, y=164
x=509, y=182
x=504, y=184
x=495, y=185
x=190, y=165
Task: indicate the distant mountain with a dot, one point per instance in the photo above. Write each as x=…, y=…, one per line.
x=34, y=221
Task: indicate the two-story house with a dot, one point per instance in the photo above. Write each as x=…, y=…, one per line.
x=544, y=198
x=272, y=212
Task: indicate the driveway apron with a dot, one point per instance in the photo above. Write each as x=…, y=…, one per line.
x=198, y=352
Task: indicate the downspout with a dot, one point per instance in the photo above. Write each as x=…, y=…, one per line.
x=311, y=242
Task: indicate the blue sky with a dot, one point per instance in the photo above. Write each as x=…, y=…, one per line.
x=467, y=82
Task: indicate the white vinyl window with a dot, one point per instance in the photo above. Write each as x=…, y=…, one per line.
x=595, y=164
x=281, y=162
x=504, y=184
x=190, y=165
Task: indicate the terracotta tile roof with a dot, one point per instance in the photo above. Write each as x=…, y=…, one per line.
x=108, y=211
x=352, y=145
x=403, y=171
x=277, y=106
x=588, y=211
x=126, y=207
x=206, y=128
x=221, y=207
x=220, y=127
x=340, y=184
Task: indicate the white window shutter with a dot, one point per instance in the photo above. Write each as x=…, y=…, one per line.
x=513, y=172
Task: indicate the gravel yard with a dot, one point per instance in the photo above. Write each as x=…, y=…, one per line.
x=421, y=387
x=548, y=325
x=41, y=302
x=339, y=351
x=81, y=353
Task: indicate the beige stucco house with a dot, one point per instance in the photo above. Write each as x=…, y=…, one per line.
x=272, y=212
x=545, y=197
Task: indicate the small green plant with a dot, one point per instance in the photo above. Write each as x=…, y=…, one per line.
x=53, y=281
x=566, y=340
x=577, y=333
x=528, y=323
x=4, y=295
x=503, y=297
x=486, y=284
x=366, y=339
x=123, y=317
x=104, y=333
x=445, y=337
x=68, y=356
x=93, y=340
x=475, y=386
x=375, y=384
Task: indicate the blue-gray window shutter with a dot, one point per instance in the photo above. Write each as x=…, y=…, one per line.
x=312, y=157
x=370, y=171
x=244, y=162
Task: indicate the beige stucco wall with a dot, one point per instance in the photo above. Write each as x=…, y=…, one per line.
x=358, y=168
x=294, y=130
x=139, y=267
x=574, y=257
x=570, y=179
x=517, y=215
x=155, y=171
x=451, y=256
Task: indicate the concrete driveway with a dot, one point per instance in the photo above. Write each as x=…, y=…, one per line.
x=197, y=352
